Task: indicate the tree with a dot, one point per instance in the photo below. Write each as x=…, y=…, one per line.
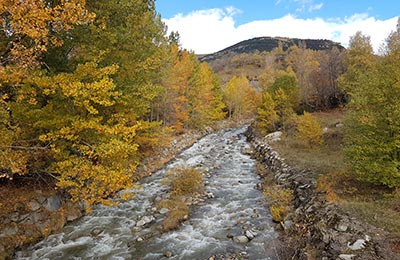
x=304, y=63
x=309, y=130
x=267, y=117
x=240, y=98
x=372, y=121
x=80, y=117
x=204, y=96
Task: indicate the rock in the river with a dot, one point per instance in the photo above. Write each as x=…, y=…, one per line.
x=95, y=232
x=210, y=195
x=241, y=239
x=250, y=234
x=145, y=220
x=168, y=254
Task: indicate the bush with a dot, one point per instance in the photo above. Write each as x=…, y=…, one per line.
x=178, y=209
x=184, y=180
x=281, y=200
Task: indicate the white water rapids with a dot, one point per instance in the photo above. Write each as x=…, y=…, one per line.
x=237, y=206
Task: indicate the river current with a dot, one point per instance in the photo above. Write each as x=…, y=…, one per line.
x=213, y=227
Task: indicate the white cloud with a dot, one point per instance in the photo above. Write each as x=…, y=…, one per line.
x=207, y=31
x=315, y=7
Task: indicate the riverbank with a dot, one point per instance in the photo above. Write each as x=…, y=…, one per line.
x=317, y=228
x=30, y=213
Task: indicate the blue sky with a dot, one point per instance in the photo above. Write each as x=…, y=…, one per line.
x=210, y=25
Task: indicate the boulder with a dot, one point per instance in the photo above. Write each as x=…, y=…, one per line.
x=273, y=137
x=250, y=234
x=145, y=220
x=53, y=203
x=241, y=239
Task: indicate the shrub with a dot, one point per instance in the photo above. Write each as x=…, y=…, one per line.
x=281, y=200
x=184, y=180
x=178, y=209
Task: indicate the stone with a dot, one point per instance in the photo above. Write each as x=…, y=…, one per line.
x=357, y=245
x=346, y=256
x=73, y=214
x=157, y=199
x=288, y=224
x=53, y=203
x=210, y=195
x=35, y=205
x=95, y=232
x=41, y=200
x=139, y=239
x=145, y=220
x=9, y=231
x=163, y=211
x=241, y=239
x=244, y=255
x=250, y=234
x=342, y=227
x=273, y=137
x=168, y=254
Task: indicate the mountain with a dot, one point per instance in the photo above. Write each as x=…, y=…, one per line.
x=268, y=44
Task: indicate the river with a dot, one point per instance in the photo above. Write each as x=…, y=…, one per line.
x=213, y=228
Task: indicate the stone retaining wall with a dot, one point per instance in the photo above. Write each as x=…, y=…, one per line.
x=317, y=229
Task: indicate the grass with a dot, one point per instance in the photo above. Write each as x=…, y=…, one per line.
x=377, y=205
x=178, y=210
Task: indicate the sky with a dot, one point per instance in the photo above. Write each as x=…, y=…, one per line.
x=207, y=26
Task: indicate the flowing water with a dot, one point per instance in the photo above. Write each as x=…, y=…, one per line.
x=237, y=205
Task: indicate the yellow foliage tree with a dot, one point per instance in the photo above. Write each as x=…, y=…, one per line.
x=241, y=98
x=309, y=130
x=266, y=114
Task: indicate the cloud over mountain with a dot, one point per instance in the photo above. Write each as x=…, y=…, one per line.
x=207, y=31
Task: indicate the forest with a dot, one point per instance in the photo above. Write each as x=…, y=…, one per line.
x=88, y=89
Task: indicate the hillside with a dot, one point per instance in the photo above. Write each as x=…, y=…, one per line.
x=267, y=44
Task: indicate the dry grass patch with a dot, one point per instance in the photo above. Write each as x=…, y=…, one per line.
x=185, y=182
x=178, y=212
x=322, y=159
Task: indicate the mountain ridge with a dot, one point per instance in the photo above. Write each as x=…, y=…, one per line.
x=268, y=44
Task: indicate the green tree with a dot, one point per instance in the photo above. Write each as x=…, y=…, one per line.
x=372, y=122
